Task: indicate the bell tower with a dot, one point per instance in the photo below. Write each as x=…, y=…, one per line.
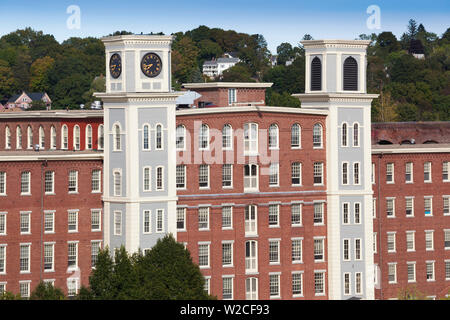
x=139, y=155
x=335, y=81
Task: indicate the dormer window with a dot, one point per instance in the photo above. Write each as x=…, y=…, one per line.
x=316, y=74
x=350, y=74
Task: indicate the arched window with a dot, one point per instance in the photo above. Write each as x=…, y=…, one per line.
x=344, y=135
x=117, y=183
x=52, y=137
x=145, y=137
x=159, y=137
x=41, y=137
x=273, y=136
x=251, y=226
x=181, y=137
x=29, y=138
x=64, y=137
x=317, y=135
x=295, y=136
x=356, y=135
x=117, y=138
x=316, y=74
x=76, y=137
x=7, y=137
x=350, y=74
x=227, y=137
x=18, y=137
x=88, y=137
x=101, y=137
x=203, y=138
x=250, y=138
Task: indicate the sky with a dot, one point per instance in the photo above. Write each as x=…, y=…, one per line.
x=278, y=21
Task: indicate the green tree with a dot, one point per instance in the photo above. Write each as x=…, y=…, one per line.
x=101, y=284
x=184, y=59
x=8, y=85
x=39, y=80
x=411, y=293
x=285, y=52
x=237, y=73
x=46, y=291
x=283, y=99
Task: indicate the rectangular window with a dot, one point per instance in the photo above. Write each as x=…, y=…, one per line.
x=25, y=182
x=96, y=181
x=411, y=268
x=427, y=172
x=2, y=223
x=358, y=283
x=49, y=182
x=274, y=285
x=392, y=272
x=410, y=241
x=447, y=239
x=117, y=223
x=319, y=250
x=296, y=174
x=389, y=173
x=346, y=283
x=358, y=248
x=227, y=254
x=2, y=259
x=390, y=208
x=318, y=213
x=73, y=181
x=297, y=281
x=319, y=283
x=296, y=214
x=429, y=240
x=445, y=170
x=250, y=177
x=96, y=220
x=72, y=287
x=159, y=178
x=274, y=215
x=2, y=183
x=24, y=289
x=227, y=217
x=250, y=220
x=227, y=288
x=227, y=176
x=231, y=96
x=49, y=222
x=203, y=255
x=72, y=221
x=250, y=138
x=25, y=258
x=274, y=251
x=49, y=251
x=428, y=206
x=446, y=205
x=345, y=173
x=346, y=249
x=409, y=206
x=181, y=177
x=117, y=183
x=356, y=173
x=95, y=248
x=357, y=213
x=318, y=173
x=72, y=254
x=430, y=270
x=203, y=178
x=25, y=224
x=409, y=172
x=391, y=242
x=181, y=219
x=147, y=223
x=447, y=270
x=345, y=213
x=203, y=218
x=160, y=220
x=273, y=174
x=296, y=250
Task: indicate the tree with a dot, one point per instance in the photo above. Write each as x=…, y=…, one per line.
x=410, y=293
x=283, y=99
x=184, y=59
x=8, y=85
x=386, y=43
x=39, y=70
x=237, y=73
x=46, y=291
x=100, y=281
x=284, y=53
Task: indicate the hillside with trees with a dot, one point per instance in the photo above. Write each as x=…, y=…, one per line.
x=410, y=89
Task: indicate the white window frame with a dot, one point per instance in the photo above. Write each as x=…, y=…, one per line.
x=25, y=183
x=76, y=137
x=146, y=221
x=95, y=212
x=227, y=210
x=49, y=259
x=413, y=264
x=294, y=213
x=202, y=178
x=88, y=140
x=274, y=175
x=64, y=137
x=25, y=261
x=227, y=253
x=297, y=249
x=202, y=246
x=117, y=183
x=159, y=137
x=251, y=182
x=203, y=137
x=392, y=266
x=117, y=136
x=433, y=265
x=160, y=221
x=227, y=171
x=180, y=177
x=346, y=249
x=321, y=241
x=317, y=139
x=251, y=257
x=425, y=200
x=388, y=200
x=72, y=221
x=273, y=137
x=181, y=216
x=274, y=251
x=430, y=234
x=390, y=170
x=69, y=255
x=146, y=146
x=446, y=171
x=251, y=138
x=203, y=218
x=356, y=134
x=358, y=249
x=117, y=223
x=50, y=183
x=18, y=137
x=96, y=181
x=411, y=200
x=146, y=179
x=2, y=183
x=7, y=137
x=344, y=134
x=227, y=137
x=100, y=137
x=228, y=280
x=72, y=182
x=41, y=138
x=180, y=137
x=318, y=168
x=410, y=239
x=427, y=170
x=345, y=173
x=274, y=283
x=297, y=283
x=296, y=136
x=357, y=173
x=391, y=242
x=29, y=137
x=25, y=222
x=409, y=170
x=251, y=224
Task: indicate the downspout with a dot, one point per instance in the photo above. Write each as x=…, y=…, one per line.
x=43, y=164
x=379, y=224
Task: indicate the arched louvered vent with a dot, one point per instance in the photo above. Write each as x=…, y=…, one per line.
x=316, y=74
x=350, y=74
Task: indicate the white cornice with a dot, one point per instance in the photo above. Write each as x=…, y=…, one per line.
x=42, y=157
x=138, y=96
x=333, y=43
x=266, y=109
x=53, y=114
x=335, y=97
x=137, y=39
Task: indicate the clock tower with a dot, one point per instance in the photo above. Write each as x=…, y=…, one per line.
x=139, y=155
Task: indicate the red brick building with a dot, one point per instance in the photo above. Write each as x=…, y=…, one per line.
x=411, y=208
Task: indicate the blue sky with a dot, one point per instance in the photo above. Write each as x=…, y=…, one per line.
x=278, y=21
